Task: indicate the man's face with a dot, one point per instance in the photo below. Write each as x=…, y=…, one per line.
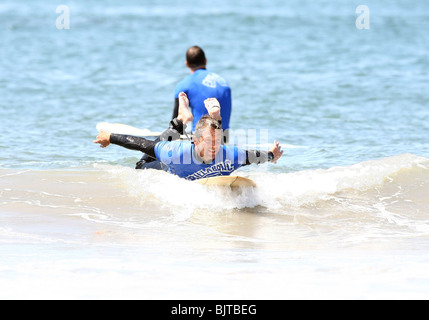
x=209, y=144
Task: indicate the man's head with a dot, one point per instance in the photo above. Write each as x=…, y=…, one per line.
x=195, y=58
x=207, y=138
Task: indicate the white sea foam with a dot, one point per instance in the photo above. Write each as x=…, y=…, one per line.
x=273, y=189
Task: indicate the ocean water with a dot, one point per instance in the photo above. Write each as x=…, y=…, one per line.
x=344, y=214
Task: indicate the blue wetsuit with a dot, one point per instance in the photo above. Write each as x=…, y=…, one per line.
x=180, y=158
x=203, y=84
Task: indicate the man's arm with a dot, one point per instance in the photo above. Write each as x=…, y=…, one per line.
x=127, y=141
x=176, y=108
x=258, y=157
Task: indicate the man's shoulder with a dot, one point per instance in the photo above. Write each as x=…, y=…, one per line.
x=200, y=80
x=177, y=145
x=183, y=85
x=172, y=151
x=212, y=80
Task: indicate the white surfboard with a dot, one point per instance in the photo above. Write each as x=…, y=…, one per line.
x=125, y=129
x=121, y=128
x=227, y=181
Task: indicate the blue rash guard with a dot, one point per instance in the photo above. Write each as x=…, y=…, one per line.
x=180, y=159
x=203, y=84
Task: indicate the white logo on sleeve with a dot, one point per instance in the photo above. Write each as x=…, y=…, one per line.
x=212, y=80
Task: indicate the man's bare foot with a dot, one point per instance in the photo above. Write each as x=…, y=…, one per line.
x=184, y=114
x=213, y=108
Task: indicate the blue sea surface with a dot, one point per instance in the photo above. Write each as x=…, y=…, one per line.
x=300, y=69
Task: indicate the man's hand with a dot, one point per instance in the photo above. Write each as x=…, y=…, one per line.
x=277, y=151
x=103, y=139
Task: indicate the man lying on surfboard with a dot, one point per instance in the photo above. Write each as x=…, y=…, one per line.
x=203, y=157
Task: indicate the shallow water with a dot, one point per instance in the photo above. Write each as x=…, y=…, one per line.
x=346, y=229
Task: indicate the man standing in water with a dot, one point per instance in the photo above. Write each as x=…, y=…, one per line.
x=200, y=85
x=204, y=157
